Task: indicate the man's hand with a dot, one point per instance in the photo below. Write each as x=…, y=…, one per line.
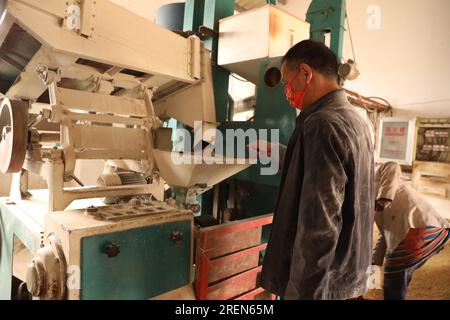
x=262, y=148
x=374, y=281
x=382, y=204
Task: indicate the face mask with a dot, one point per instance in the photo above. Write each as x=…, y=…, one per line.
x=295, y=98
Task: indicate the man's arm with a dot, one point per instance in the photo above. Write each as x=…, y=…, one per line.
x=319, y=218
x=380, y=250
x=389, y=176
x=265, y=148
x=282, y=155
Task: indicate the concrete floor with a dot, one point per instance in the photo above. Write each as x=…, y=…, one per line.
x=442, y=206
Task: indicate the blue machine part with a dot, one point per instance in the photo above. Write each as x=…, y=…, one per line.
x=171, y=16
x=149, y=263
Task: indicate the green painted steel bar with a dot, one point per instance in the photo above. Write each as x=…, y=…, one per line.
x=328, y=16
x=208, y=13
x=214, y=11
x=193, y=15
x=274, y=2
x=221, y=78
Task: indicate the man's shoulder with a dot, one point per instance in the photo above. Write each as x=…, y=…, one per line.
x=341, y=114
x=341, y=121
x=330, y=116
x=320, y=119
x=321, y=125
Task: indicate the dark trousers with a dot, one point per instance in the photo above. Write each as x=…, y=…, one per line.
x=396, y=284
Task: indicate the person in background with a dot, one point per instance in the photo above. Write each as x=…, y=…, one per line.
x=411, y=231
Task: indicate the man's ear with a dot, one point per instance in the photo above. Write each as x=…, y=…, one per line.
x=307, y=71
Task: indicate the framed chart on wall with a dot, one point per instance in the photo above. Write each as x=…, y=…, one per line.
x=396, y=140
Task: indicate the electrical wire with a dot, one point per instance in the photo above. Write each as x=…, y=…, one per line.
x=382, y=99
x=350, y=34
x=391, y=113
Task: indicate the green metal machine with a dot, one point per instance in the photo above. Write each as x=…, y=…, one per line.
x=252, y=193
x=142, y=248
x=328, y=16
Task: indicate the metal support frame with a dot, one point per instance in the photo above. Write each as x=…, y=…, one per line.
x=86, y=141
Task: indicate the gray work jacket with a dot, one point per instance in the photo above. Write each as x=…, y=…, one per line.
x=321, y=239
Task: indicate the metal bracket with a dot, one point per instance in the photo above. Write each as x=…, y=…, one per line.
x=208, y=32
x=194, y=57
x=87, y=18
x=47, y=75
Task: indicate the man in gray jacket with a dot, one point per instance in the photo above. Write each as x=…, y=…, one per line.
x=320, y=245
x=411, y=231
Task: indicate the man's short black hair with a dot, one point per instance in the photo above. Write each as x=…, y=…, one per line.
x=315, y=54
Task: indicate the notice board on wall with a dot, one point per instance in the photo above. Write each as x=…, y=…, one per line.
x=396, y=140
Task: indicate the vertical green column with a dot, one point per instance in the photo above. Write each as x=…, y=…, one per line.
x=274, y=2
x=318, y=36
x=214, y=11
x=328, y=16
x=193, y=15
x=221, y=78
x=208, y=13
x=337, y=41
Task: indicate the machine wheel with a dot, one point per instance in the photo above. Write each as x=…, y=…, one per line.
x=13, y=135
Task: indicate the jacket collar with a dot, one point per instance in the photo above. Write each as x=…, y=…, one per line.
x=334, y=96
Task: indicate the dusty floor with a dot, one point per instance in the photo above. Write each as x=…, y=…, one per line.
x=431, y=282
